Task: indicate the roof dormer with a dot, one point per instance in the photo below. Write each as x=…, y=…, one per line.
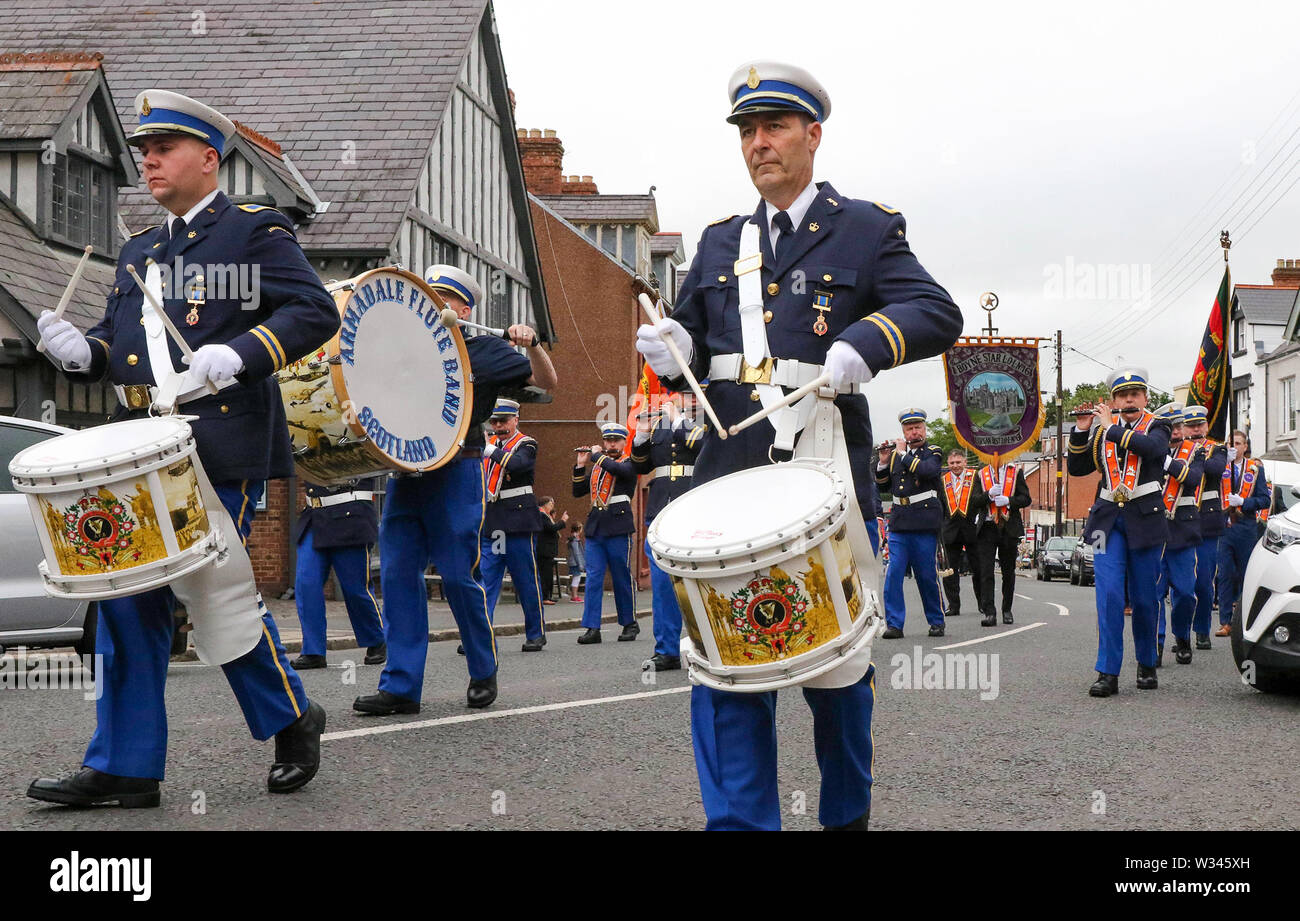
x=256, y=170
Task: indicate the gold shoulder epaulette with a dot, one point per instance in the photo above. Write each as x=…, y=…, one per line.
x=146, y=230
x=722, y=220
x=253, y=209
x=885, y=208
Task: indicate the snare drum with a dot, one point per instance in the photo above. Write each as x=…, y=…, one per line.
x=118, y=508
x=770, y=592
x=390, y=392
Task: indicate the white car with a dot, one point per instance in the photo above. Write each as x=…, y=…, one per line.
x=1266, y=630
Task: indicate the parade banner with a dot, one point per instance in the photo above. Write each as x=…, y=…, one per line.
x=993, y=395
x=1211, y=379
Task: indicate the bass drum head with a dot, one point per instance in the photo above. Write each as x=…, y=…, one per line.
x=401, y=376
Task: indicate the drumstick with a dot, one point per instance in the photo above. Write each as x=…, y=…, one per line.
x=67, y=292
x=666, y=339
x=450, y=318
x=793, y=398
x=167, y=324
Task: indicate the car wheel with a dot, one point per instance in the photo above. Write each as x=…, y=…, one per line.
x=1266, y=681
x=85, y=647
x=1074, y=576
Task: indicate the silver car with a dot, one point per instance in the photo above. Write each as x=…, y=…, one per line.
x=28, y=616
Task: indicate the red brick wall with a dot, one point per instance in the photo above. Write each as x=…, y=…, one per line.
x=1079, y=491
x=268, y=543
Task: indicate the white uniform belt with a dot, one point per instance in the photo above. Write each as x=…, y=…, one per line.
x=361, y=495
x=675, y=470
x=780, y=372
x=1186, y=500
x=919, y=497
x=141, y=396
x=512, y=492
x=614, y=500
x=1210, y=494
x=1137, y=492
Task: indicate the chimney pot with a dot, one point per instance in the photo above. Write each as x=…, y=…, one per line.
x=521, y=132
x=1279, y=263
x=534, y=133
x=549, y=133
x=586, y=179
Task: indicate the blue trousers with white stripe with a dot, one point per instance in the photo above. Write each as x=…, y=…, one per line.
x=135, y=637
x=1207, y=559
x=352, y=564
x=1115, y=566
x=519, y=556
x=435, y=517
x=1178, y=579
x=610, y=553
x=667, y=612
x=917, y=550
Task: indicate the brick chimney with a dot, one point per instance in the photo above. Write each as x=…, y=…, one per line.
x=1287, y=273
x=579, y=185
x=543, y=156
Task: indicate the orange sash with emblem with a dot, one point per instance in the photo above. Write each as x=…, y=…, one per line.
x=958, y=490
x=493, y=469
x=1122, y=484
x=1249, y=473
x=1172, y=486
x=1008, y=487
x=602, y=484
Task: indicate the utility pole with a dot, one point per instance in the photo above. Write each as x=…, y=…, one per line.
x=1060, y=453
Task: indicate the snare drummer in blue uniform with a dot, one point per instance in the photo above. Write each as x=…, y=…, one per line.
x=511, y=525
x=610, y=482
x=336, y=531
x=914, y=478
x=437, y=517
x=241, y=436
x=839, y=292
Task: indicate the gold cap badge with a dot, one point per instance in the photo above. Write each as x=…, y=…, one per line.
x=752, y=82
x=145, y=108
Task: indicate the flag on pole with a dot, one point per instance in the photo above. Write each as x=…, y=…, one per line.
x=1212, y=380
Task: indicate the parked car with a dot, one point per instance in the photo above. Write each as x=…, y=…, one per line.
x=1265, y=635
x=28, y=616
x=1054, y=558
x=1081, y=564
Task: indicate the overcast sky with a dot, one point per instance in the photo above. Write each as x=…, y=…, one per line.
x=1028, y=147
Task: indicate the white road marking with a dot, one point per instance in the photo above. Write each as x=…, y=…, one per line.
x=1026, y=597
x=493, y=714
x=1060, y=608
x=994, y=636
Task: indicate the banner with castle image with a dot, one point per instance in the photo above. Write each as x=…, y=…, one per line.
x=993, y=395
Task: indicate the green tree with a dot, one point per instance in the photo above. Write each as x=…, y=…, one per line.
x=942, y=435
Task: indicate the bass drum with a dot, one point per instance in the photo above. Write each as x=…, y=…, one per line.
x=390, y=393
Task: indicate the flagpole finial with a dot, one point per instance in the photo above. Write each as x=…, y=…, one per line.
x=1226, y=243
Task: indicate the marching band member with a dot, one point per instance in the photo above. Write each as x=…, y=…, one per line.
x=962, y=499
x=610, y=482
x=240, y=432
x=1245, y=492
x=1128, y=448
x=336, y=531
x=1184, y=468
x=1196, y=426
x=910, y=471
x=838, y=289
x=437, y=517
x=1000, y=531
x=512, y=523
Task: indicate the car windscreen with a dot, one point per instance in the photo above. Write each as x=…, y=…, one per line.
x=14, y=438
x=1060, y=543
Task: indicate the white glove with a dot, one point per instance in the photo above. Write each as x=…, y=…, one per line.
x=1232, y=452
x=1235, y=500
x=845, y=365
x=217, y=363
x=1167, y=460
x=489, y=448
x=995, y=491
x=1001, y=501
x=63, y=341
x=657, y=356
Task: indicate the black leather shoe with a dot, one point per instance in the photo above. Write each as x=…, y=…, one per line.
x=1182, y=652
x=1160, y=655
x=1203, y=641
x=661, y=663
x=936, y=631
x=481, y=691
x=1104, y=686
x=302, y=663
x=534, y=645
x=630, y=632
x=591, y=636
x=1007, y=618
x=1147, y=677
x=858, y=824
x=953, y=614
x=376, y=655
x=990, y=620
x=385, y=704
x=892, y=633
x=297, y=751
x=89, y=787
x=460, y=649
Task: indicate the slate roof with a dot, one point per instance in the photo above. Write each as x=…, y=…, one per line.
x=667, y=243
x=37, y=98
x=313, y=76
x=1265, y=303
x=34, y=274
x=605, y=209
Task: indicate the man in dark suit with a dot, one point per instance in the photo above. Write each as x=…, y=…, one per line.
x=811, y=281
x=279, y=312
x=548, y=545
x=1126, y=525
x=610, y=482
x=999, y=531
x=962, y=500
x=336, y=530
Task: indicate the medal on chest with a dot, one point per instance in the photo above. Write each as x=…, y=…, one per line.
x=196, y=295
x=821, y=304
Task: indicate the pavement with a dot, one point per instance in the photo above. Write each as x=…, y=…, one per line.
x=581, y=738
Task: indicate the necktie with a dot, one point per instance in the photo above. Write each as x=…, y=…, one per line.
x=786, y=226
x=177, y=230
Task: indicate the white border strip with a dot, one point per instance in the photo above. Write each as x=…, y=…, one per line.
x=995, y=636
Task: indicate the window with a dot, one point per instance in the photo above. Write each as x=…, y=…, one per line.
x=499, y=290
x=81, y=202
x=609, y=239
x=14, y=438
x=628, y=256
x=1239, y=334
x=1286, y=403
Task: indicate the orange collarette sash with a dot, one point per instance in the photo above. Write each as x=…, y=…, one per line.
x=1172, y=486
x=1122, y=485
x=958, y=490
x=493, y=469
x=1008, y=487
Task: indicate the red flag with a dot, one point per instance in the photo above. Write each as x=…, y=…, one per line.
x=1211, y=380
